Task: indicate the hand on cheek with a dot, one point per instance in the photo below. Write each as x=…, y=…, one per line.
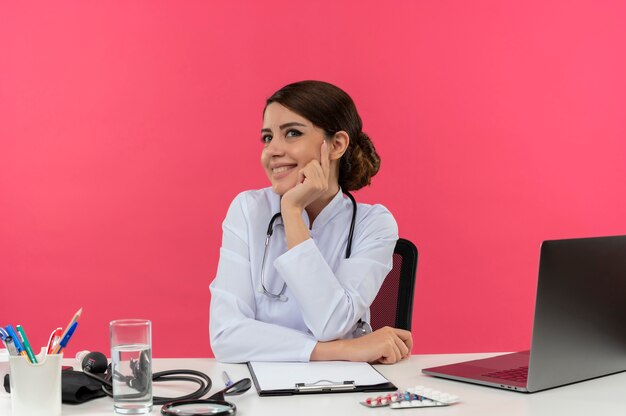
x=312, y=182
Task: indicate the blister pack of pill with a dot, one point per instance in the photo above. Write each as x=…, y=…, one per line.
x=412, y=397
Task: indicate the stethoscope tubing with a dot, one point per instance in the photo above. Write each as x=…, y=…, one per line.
x=197, y=377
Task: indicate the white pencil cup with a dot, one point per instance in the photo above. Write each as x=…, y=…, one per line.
x=4, y=368
x=36, y=388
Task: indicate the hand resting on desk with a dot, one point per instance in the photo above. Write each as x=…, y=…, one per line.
x=386, y=346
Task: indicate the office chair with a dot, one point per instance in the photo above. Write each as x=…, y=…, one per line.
x=393, y=306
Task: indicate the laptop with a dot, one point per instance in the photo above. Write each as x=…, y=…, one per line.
x=579, y=329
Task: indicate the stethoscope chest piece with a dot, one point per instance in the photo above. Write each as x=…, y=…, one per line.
x=199, y=408
x=215, y=405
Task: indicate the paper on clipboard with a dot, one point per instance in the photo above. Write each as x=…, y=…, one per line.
x=285, y=375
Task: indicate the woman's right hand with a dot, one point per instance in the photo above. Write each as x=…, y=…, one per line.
x=313, y=182
x=385, y=346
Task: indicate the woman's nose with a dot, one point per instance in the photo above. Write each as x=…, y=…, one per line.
x=275, y=147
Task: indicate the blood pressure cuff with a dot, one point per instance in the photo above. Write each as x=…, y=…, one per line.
x=76, y=387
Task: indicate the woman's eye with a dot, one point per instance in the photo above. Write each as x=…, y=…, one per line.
x=293, y=133
x=266, y=138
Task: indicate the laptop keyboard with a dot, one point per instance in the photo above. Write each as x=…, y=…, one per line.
x=519, y=374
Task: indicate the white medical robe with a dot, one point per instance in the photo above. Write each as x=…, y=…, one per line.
x=326, y=293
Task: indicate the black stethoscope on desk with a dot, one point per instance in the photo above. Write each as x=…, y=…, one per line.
x=362, y=327
x=215, y=405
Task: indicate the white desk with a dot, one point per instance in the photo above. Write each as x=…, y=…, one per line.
x=603, y=396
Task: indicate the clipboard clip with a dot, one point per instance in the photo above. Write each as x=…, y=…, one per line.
x=325, y=386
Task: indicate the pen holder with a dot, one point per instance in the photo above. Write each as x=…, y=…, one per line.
x=36, y=388
x=4, y=368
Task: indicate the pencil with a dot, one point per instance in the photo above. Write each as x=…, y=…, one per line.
x=74, y=319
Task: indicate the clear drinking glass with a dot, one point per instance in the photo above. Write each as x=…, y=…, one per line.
x=131, y=358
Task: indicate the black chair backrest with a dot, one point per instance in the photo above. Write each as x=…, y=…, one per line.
x=393, y=306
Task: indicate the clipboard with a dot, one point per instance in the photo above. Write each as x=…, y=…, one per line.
x=289, y=378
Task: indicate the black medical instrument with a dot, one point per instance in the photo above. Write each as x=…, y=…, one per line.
x=215, y=405
x=270, y=230
x=96, y=363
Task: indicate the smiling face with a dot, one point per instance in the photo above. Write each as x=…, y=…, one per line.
x=291, y=142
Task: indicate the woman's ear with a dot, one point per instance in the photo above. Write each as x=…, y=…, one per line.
x=339, y=144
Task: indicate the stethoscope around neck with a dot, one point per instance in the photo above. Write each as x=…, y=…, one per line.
x=362, y=326
x=270, y=230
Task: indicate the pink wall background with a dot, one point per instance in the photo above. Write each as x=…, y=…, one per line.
x=127, y=127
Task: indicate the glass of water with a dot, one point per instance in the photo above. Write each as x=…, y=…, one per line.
x=131, y=358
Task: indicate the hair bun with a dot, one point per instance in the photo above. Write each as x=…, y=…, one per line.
x=360, y=163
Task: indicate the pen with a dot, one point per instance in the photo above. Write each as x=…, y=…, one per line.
x=55, y=337
x=66, y=338
x=29, y=350
x=227, y=381
x=11, y=346
x=16, y=341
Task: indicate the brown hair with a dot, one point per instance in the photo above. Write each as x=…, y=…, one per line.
x=331, y=109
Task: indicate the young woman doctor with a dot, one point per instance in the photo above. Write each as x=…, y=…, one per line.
x=288, y=287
